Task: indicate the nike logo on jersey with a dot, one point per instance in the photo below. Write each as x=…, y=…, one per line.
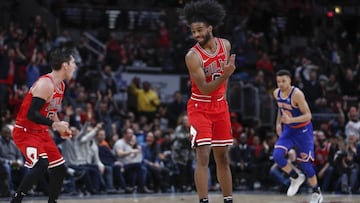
x=204, y=61
x=305, y=130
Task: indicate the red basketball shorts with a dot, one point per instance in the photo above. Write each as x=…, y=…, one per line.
x=209, y=122
x=34, y=144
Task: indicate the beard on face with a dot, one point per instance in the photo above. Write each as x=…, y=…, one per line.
x=206, y=39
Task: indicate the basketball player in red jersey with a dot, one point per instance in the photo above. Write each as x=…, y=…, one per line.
x=210, y=65
x=38, y=112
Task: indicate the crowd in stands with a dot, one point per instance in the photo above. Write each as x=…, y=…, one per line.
x=141, y=145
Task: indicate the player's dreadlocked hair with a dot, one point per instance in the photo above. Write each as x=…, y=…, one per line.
x=207, y=11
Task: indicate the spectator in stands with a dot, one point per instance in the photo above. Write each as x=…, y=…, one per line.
x=107, y=81
x=348, y=80
x=15, y=99
x=183, y=155
x=176, y=108
x=312, y=88
x=323, y=163
x=11, y=161
x=9, y=74
x=113, y=168
x=352, y=127
x=84, y=53
x=32, y=70
x=75, y=152
x=147, y=100
x=37, y=29
x=157, y=175
x=62, y=39
x=129, y=154
x=241, y=163
x=236, y=127
x=332, y=87
x=162, y=118
x=103, y=111
x=107, y=180
x=346, y=169
x=265, y=64
x=305, y=66
x=113, y=50
x=132, y=95
x=259, y=81
x=264, y=160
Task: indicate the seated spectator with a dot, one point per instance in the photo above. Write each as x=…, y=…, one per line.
x=241, y=162
x=75, y=152
x=345, y=170
x=11, y=162
x=264, y=160
x=129, y=154
x=157, y=175
x=114, y=177
x=183, y=156
x=323, y=162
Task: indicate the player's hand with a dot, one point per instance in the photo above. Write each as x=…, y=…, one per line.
x=285, y=118
x=63, y=128
x=229, y=66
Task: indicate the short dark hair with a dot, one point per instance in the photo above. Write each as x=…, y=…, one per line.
x=58, y=56
x=210, y=12
x=283, y=72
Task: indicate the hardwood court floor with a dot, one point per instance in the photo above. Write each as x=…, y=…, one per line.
x=192, y=198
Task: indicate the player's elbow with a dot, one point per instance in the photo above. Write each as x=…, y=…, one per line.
x=308, y=116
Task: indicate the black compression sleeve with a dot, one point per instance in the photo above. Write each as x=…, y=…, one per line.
x=34, y=112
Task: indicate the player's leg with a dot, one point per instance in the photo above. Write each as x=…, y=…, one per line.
x=309, y=171
x=283, y=144
x=221, y=140
x=57, y=170
x=201, y=172
x=31, y=147
x=223, y=172
x=30, y=179
x=200, y=138
x=305, y=151
x=57, y=175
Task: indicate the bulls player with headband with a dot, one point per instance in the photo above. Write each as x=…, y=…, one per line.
x=209, y=65
x=37, y=114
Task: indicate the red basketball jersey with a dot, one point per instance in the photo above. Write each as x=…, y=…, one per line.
x=49, y=109
x=211, y=64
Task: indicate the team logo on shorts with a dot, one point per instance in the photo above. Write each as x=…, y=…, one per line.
x=303, y=156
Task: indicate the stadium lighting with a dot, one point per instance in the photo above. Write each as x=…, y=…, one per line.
x=337, y=9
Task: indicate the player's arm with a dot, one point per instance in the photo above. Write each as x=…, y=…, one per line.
x=300, y=101
x=41, y=93
x=228, y=48
x=278, y=117
x=196, y=72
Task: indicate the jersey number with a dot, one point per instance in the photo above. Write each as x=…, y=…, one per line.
x=215, y=75
x=50, y=115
